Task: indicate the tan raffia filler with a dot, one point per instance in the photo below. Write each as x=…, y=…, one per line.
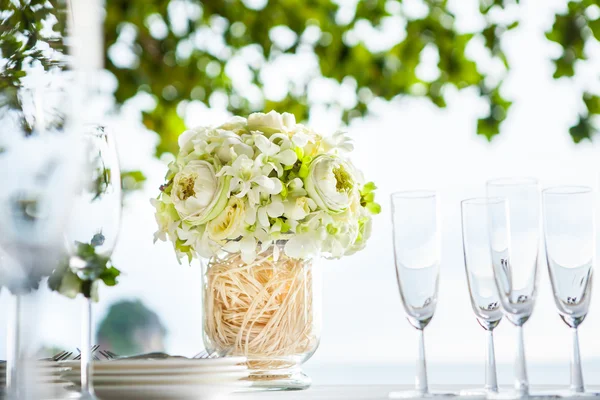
x=262, y=310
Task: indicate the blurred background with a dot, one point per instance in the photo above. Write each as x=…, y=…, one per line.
x=440, y=94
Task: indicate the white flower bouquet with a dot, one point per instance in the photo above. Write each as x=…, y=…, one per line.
x=250, y=183
x=261, y=198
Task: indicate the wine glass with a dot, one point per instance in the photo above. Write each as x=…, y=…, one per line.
x=570, y=237
x=417, y=245
x=94, y=228
x=39, y=168
x=515, y=239
x=485, y=299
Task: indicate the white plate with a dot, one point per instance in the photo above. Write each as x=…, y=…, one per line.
x=171, y=392
x=163, y=371
x=170, y=379
x=168, y=363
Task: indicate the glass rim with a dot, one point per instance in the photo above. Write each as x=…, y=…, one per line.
x=483, y=201
x=562, y=190
x=513, y=181
x=414, y=194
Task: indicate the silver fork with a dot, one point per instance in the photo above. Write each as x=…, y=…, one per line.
x=215, y=354
x=109, y=355
x=94, y=356
x=63, y=355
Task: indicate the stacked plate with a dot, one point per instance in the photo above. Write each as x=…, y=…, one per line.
x=43, y=379
x=172, y=378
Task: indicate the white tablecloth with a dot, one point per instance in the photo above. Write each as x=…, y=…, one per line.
x=366, y=392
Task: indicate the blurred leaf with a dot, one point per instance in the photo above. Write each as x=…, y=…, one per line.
x=583, y=130
x=592, y=102
x=498, y=110
x=132, y=180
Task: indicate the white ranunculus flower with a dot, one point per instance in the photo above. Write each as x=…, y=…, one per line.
x=271, y=122
x=229, y=223
x=330, y=183
x=197, y=194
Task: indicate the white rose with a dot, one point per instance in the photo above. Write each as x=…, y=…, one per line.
x=236, y=124
x=330, y=183
x=271, y=122
x=228, y=224
x=197, y=194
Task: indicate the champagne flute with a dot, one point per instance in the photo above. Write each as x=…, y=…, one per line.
x=485, y=299
x=417, y=245
x=515, y=238
x=570, y=237
x=94, y=229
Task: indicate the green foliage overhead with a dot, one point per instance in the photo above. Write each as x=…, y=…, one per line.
x=572, y=31
x=178, y=59
x=220, y=53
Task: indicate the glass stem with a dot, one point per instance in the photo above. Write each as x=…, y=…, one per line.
x=521, y=381
x=576, y=372
x=421, y=381
x=491, y=380
x=87, y=389
x=13, y=360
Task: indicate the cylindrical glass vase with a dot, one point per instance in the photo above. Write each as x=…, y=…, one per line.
x=268, y=310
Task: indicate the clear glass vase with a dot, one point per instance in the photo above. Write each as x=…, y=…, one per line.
x=268, y=311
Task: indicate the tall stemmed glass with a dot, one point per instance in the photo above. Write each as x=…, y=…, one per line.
x=570, y=233
x=93, y=231
x=516, y=261
x=39, y=173
x=485, y=299
x=417, y=245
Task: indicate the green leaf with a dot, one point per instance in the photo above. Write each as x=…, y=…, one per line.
x=374, y=208
x=583, y=130
x=592, y=102
x=109, y=276
x=595, y=27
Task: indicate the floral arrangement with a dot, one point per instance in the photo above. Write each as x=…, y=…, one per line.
x=250, y=183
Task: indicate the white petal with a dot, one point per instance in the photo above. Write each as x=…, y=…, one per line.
x=287, y=157
x=275, y=209
x=276, y=186
x=265, y=246
x=263, y=219
x=250, y=216
x=185, y=138
x=279, y=169
x=248, y=257
x=232, y=246
x=264, y=181
x=289, y=120
x=248, y=244
x=300, y=139
x=265, y=146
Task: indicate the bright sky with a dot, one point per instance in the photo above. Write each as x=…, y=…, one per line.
x=408, y=144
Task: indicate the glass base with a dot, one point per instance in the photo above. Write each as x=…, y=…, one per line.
x=279, y=380
x=82, y=396
x=415, y=394
x=478, y=393
x=532, y=395
x=569, y=394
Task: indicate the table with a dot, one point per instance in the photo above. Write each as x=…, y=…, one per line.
x=367, y=392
